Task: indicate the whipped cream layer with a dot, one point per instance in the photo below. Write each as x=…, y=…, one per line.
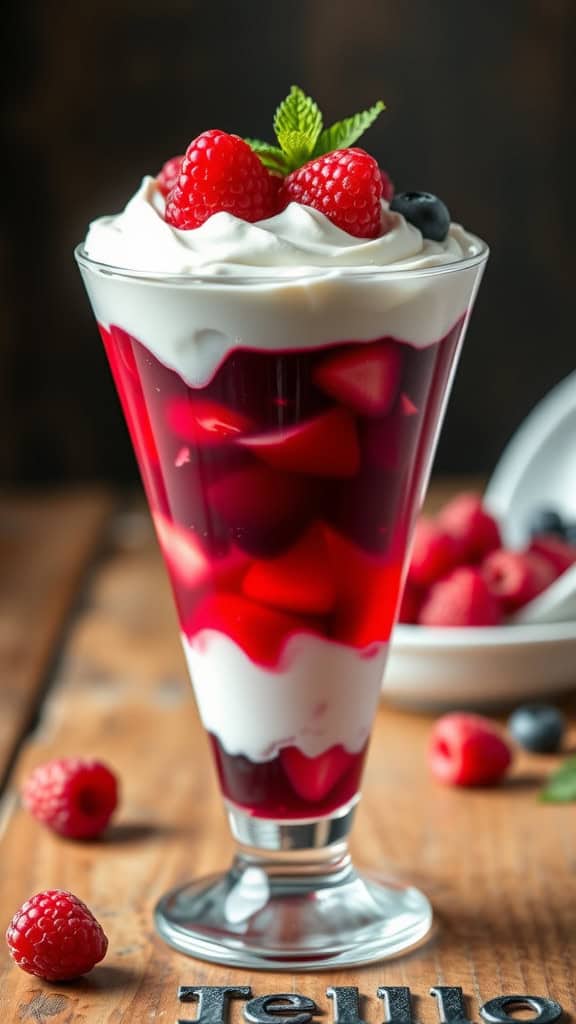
x=292, y=281
x=322, y=694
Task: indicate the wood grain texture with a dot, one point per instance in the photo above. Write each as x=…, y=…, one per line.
x=45, y=546
x=498, y=866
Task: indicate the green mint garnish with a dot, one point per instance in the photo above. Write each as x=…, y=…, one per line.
x=347, y=132
x=561, y=786
x=271, y=156
x=299, y=131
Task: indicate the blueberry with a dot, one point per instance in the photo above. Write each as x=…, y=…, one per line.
x=425, y=211
x=537, y=727
x=546, y=520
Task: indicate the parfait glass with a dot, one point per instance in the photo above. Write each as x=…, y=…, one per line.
x=284, y=427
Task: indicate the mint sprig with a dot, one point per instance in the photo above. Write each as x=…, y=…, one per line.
x=271, y=156
x=561, y=786
x=301, y=137
x=347, y=132
x=298, y=115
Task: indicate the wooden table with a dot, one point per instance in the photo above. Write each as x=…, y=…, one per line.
x=91, y=664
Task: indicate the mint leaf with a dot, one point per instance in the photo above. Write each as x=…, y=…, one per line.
x=561, y=786
x=347, y=132
x=295, y=147
x=271, y=156
x=298, y=113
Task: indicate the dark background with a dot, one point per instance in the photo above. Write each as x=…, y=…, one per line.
x=480, y=101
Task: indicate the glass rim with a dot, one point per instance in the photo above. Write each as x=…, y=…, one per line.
x=300, y=276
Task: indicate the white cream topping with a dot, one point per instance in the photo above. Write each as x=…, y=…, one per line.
x=299, y=238
x=321, y=694
x=293, y=281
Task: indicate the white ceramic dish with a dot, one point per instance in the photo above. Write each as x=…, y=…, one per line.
x=538, y=466
x=477, y=667
x=486, y=667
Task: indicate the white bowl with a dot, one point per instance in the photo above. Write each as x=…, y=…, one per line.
x=538, y=466
x=479, y=667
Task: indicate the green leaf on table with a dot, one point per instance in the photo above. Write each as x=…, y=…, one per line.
x=347, y=132
x=561, y=786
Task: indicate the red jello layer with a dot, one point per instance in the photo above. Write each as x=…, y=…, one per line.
x=283, y=490
x=291, y=785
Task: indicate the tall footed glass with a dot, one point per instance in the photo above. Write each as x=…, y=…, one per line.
x=284, y=429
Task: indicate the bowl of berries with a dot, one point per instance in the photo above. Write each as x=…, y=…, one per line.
x=488, y=615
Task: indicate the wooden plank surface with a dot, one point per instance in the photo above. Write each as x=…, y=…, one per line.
x=498, y=866
x=45, y=547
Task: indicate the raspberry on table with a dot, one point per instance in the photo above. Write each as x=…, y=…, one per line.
x=220, y=173
x=467, y=750
x=73, y=796
x=346, y=186
x=56, y=937
x=167, y=177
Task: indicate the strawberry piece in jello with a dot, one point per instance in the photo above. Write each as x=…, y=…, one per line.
x=368, y=590
x=324, y=446
x=263, y=508
x=313, y=777
x=260, y=631
x=365, y=378
x=205, y=422
x=300, y=580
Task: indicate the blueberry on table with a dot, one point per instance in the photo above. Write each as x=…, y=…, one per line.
x=546, y=521
x=537, y=727
x=425, y=211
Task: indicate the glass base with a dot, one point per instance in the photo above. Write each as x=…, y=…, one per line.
x=294, y=908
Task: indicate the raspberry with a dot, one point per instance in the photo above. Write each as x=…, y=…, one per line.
x=346, y=186
x=74, y=796
x=55, y=936
x=387, y=186
x=168, y=176
x=516, y=577
x=220, y=173
x=471, y=526
x=467, y=750
x=434, y=553
x=460, y=599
